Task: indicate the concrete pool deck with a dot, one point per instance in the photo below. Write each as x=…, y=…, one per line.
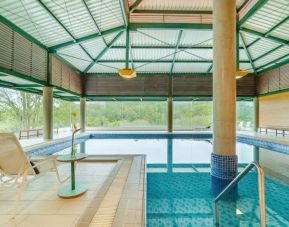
x=115, y=196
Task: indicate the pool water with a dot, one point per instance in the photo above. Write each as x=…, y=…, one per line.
x=179, y=183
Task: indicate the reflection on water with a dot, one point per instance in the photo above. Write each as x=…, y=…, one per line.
x=161, y=151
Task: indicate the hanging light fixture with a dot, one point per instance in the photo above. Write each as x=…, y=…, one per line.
x=127, y=72
x=241, y=74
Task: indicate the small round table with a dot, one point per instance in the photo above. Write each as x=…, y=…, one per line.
x=73, y=190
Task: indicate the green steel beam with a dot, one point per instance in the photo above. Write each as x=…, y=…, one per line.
x=247, y=53
x=210, y=68
x=21, y=32
x=155, y=11
x=283, y=62
x=163, y=47
x=176, y=26
x=270, y=30
x=263, y=36
x=275, y=62
x=28, y=85
x=21, y=76
x=103, y=51
x=277, y=25
x=66, y=62
x=134, y=5
x=62, y=25
x=253, y=42
x=127, y=48
x=258, y=5
x=161, y=61
x=267, y=53
x=95, y=23
x=87, y=38
x=176, y=49
x=124, y=10
x=242, y=6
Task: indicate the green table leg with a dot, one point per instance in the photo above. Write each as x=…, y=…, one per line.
x=72, y=190
x=72, y=176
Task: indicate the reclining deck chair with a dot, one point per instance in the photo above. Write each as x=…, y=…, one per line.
x=15, y=166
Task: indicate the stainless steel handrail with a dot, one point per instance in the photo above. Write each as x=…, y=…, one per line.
x=261, y=190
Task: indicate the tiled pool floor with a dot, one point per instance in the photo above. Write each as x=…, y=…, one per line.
x=185, y=199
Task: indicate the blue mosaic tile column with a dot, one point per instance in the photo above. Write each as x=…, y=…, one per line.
x=223, y=170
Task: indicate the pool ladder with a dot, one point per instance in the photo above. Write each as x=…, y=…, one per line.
x=261, y=192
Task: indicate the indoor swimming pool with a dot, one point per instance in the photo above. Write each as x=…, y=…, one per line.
x=179, y=181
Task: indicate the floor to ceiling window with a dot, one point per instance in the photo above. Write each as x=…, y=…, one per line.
x=127, y=115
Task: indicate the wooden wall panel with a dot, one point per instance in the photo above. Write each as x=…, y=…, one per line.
x=273, y=80
x=196, y=85
x=274, y=110
x=246, y=86
x=65, y=77
x=6, y=46
x=119, y=86
x=158, y=85
x=262, y=84
x=284, y=77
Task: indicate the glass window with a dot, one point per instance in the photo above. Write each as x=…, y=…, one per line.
x=130, y=115
x=20, y=110
x=192, y=115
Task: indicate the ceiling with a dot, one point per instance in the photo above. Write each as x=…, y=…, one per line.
x=165, y=36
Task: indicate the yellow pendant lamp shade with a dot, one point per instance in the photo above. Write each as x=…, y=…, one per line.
x=127, y=73
x=240, y=74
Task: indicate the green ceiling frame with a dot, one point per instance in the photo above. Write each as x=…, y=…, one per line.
x=21, y=76
x=161, y=61
x=134, y=5
x=95, y=23
x=283, y=62
x=87, y=38
x=242, y=6
x=21, y=32
x=59, y=57
x=252, y=11
x=277, y=64
x=268, y=52
x=277, y=25
x=103, y=51
x=67, y=31
x=264, y=36
x=210, y=68
x=125, y=11
x=127, y=49
x=176, y=50
x=164, y=47
x=270, y=30
x=247, y=52
x=176, y=26
x=155, y=11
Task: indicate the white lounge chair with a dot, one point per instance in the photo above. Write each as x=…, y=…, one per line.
x=15, y=166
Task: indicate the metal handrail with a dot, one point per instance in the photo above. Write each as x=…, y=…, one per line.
x=261, y=190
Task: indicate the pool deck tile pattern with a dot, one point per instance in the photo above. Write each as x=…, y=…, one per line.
x=40, y=205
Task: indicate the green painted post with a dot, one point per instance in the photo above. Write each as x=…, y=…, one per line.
x=72, y=176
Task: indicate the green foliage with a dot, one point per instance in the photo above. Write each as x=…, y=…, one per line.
x=20, y=110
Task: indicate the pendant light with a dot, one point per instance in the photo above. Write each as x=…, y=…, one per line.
x=127, y=72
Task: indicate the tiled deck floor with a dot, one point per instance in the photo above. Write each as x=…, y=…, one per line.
x=40, y=205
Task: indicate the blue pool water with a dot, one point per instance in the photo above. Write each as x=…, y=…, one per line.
x=179, y=182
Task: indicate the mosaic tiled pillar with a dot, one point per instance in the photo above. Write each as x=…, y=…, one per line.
x=224, y=160
x=223, y=170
